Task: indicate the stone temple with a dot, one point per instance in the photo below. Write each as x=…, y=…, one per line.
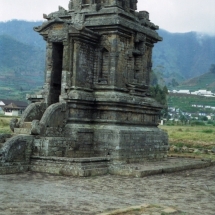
x=94, y=112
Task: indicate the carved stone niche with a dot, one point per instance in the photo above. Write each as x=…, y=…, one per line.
x=104, y=66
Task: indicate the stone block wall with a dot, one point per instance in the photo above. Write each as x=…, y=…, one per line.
x=131, y=144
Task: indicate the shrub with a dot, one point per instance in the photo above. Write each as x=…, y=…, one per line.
x=208, y=131
x=179, y=144
x=210, y=122
x=169, y=123
x=197, y=123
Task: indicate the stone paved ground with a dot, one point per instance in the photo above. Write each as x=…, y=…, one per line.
x=35, y=193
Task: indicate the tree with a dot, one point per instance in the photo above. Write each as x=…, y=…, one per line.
x=159, y=94
x=183, y=119
x=174, y=83
x=212, y=69
x=203, y=118
x=153, y=79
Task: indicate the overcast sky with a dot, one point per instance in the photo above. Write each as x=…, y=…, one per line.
x=171, y=15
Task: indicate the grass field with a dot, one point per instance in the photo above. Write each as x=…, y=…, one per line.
x=191, y=136
x=4, y=124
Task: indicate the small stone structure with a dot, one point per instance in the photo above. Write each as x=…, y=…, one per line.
x=95, y=109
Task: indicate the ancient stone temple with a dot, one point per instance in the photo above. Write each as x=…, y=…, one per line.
x=95, y=109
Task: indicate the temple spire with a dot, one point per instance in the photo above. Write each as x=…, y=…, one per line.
x=127, y=5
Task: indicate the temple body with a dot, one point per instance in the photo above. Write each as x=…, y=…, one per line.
x=95, y=100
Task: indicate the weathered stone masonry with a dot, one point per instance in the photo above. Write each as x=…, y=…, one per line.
x=95, y=101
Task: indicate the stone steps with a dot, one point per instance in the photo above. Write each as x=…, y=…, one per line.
x=26, y=125
x=22, y=130
x=25, y=129
x=82, y=167
x=170, y=165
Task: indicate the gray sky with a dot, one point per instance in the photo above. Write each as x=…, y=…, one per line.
x=171, y=15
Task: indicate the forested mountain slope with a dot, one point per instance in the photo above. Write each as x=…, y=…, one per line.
x=183, y=56
x=21, y=68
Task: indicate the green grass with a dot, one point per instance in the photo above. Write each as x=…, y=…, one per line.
x=191, y=136
x=4, y=124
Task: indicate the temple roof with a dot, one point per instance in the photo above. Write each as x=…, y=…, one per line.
x=13, y=104
x=99, y=14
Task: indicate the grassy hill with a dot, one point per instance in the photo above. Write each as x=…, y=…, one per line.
x=205, y=81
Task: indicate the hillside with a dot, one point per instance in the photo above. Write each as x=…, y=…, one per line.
x=186, y=103
x=205, y=81
x=21, y=68
x=182, y=56
x=23, y=31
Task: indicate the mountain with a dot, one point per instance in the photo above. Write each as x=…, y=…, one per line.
x=21, y=67
x=23, y=31
x=182, y=56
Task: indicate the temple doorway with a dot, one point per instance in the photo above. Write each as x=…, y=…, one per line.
x=57, y=59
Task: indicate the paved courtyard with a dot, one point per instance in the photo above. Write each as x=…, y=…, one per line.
x=35, y=193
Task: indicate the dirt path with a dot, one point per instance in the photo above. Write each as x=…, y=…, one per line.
x=35, y=193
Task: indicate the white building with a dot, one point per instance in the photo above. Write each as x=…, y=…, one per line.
x=202, y=93
x=184, y=91
x=12, y=108
x=198, y=92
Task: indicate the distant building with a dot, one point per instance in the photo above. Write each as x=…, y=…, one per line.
x=209, y=117
x=12, y=107
x=184, y=91
x=203, y=93
x=199, y=92
x=181, y=91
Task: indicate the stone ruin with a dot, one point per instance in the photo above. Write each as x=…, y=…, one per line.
x=95, y=111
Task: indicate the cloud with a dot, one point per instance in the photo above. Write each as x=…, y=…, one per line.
x=28, y=9
x=171, y=15
x=182, y=15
